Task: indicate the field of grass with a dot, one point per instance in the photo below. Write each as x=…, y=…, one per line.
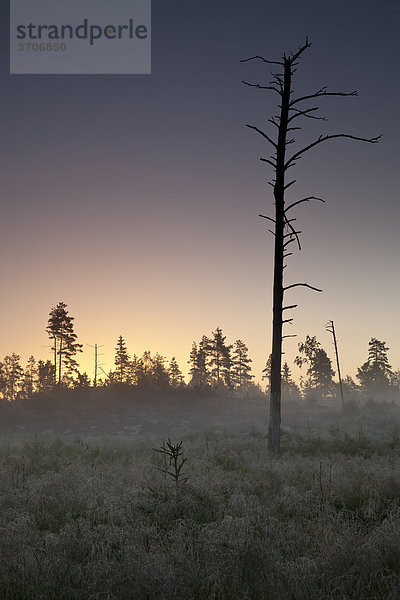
x=98, y=518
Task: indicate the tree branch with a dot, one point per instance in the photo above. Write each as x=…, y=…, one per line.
x=268, y=161
x=292, y=232
x=263, y=134
x=320, y=93
x=300, y=51
x=323, y=138
x=303, y=200
x=269, y=218
x=262, y=87
x=289, y=184
x=292, y=239
x=270, y=62
x=305, y=113
x=277, y=79
x=272, y=120
x=288, y=287
x=289, y=306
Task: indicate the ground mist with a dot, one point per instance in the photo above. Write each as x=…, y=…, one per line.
x=97, y=516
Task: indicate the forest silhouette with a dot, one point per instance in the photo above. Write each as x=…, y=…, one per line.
x=215, y=366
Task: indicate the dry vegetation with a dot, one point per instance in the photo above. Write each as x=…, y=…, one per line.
x=84, y=517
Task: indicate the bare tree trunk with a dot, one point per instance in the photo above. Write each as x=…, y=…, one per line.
x=289, y=111
x=60, y=359
x=331, y=329
x=95, y=366
x=55, y=360
x=274, y=434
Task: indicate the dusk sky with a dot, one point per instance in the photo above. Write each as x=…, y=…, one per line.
x=134, y=199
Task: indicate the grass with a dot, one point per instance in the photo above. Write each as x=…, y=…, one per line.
x=86, y=518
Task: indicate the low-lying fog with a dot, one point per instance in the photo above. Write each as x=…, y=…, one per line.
x=101, y=412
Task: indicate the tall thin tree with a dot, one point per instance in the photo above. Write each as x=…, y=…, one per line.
x=121, y=360
x=241, y=365
x=220, y=359
x=60, y=329
x=330, y=327
x=291, y=109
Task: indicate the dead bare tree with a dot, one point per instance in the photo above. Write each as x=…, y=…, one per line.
x=330, y=327
x=291, y=109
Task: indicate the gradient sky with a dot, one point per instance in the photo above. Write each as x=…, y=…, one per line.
x=134, y=199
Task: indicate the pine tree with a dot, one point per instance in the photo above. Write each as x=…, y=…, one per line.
x=133, y=370
x=319, y=370
x=199, y=359
x=3, y=381
x=193, y=370
x=376, y=372
x=351, y=389
x=82, y=381
x=60, y=329
x=227, y=368
x=111, y=379
x=322, y=372
x=159, y=373
x=241, y=365
x=141, y=377
x=13, y=375
x=286, y=374
x=203, y=360
x=290, y=390
x=29, y=383
x=121, y=361
x=67, y=380
x=175, y=374
x=267, y=373
x=144, y=371
x=46, y=375
x=220, y=360
x=395, y=380
x=147, y=362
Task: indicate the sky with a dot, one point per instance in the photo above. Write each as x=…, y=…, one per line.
x=134, y=199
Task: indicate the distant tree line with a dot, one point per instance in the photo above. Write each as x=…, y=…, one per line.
x=213, y=364
x=376, y=379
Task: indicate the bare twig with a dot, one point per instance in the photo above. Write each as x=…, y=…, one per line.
x=262, y=87
x=300, y=51
x=288, y=287
x=270, y=62
x=305, y=113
